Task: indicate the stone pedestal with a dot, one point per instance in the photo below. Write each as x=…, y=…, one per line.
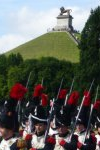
x=64, y=22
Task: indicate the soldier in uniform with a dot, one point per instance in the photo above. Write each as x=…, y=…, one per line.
x=98, y=136
x=39, y=119
x=7, y=130
x=63, y=122
x=9, y=123
x=85, y=141
x=59, y=103
x=90, y=141
x=64, y=141
x=38, y=98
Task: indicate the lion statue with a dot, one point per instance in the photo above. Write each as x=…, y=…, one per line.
x=63, y=10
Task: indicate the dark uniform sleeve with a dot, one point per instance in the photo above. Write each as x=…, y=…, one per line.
x=89, y=145
x=72, y=145
x=47, y=147
x=14, y=146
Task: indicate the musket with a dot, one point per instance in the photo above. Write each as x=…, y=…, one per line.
x=49, y=121
x=51, y=112
x=60, y=88
x=80, y=111
x=96, y=93
x=30, y=123
x=67, y=95
x=28, y=79
x=42, y=81
x=19, y=102
x=90, y=116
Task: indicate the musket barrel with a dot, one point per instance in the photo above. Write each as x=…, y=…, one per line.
x=28, y=79
x=42, y=81
x=49, y=120
x=90, y=116
x=80, y=111
x=67, y=96
x=60, y=87
x=51, y=111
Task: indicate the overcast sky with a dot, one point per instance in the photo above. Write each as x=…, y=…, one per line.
x=23, y=20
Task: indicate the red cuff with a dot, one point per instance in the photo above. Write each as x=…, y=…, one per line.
x=51, y=140
x=79, y=145
x=33, y=149
x=62, y=142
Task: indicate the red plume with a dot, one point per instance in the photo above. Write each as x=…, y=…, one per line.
x=62, y=94
x=18, y=91
x=38, y=90
x=87, y=100
x=96, y=105
x=44, y=100
x=73, y=100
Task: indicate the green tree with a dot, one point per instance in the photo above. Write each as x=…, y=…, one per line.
x=90, y=49
x=3, y=64
x=15, y=59
x=14, y=75
x=19, y=58
x=3, y=86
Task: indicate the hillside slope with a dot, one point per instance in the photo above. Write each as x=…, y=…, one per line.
x=54, y=44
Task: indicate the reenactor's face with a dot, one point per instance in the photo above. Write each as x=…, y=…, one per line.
x=52, y=124
x=99, y=129
x=40, y=127
x=27, y=123
x=79, y=127
x=62, y=130
x=4, y=132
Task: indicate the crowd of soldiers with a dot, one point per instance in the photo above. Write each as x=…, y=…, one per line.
x=58, y=124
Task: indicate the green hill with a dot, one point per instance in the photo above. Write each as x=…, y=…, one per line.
x=54, y=44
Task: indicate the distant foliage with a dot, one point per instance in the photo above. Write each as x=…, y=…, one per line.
x=90, y=50
x=51, y=70
x=14, y=59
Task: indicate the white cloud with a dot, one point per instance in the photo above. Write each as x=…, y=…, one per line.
x=80, y=17
x=9, y=41
x=27, y=24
